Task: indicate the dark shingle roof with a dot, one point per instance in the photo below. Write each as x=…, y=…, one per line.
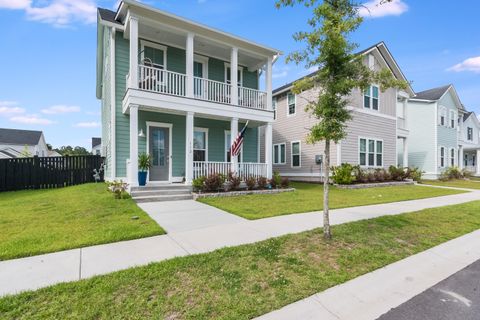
x=432, y=94
x=466, y=115
x=108, y=15
x=96, y=142
x=19, y=137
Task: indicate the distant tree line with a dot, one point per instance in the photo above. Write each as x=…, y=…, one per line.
x=70, y=151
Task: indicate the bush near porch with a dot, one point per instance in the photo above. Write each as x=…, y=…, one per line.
x=308, y=197
x=346, y=174
x=41, y=221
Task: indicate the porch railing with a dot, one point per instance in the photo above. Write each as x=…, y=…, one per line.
x=245, y=169
x=210, y=90
x=252, y=98
x=161, y=81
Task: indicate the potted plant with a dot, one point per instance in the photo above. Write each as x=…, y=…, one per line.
x=144, y=163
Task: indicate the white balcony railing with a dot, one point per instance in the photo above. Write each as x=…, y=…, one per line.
x=210, y=90
x=245, y=169
x=252, y=98
x=161, y=81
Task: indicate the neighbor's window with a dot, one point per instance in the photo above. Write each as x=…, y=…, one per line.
x=470, y=134
x=274, y=107
x=200, y=145
x=452, y=157
x=370, y=98
x=371, y=152
x=279, y=153
x=239, y=76
x=443, y=117
x=296, y=154
x=442, y=157
x=452, y=119
x=291, y=103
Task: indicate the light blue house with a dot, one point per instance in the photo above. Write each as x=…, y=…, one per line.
x=469, y=143
x=434, y=123
x=180, y=91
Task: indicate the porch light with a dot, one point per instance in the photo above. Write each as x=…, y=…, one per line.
x=141, y=134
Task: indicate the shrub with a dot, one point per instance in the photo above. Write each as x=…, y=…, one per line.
x=451, y=173
x=250, y=182
x=285, y=182
x=380, y=175
x=343, y=174
x=199, y=183
x=262, y=182
x=214, y=182
x=467, y=174
x=276, y=180
x=397, y=173
x=371, y=177
x=360, y=174
x=119, y=189
x=414, y=173
x=233, y=182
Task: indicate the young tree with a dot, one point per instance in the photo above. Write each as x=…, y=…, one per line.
x=340, y=70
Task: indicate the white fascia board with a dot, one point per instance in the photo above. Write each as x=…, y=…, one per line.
x=168, y=104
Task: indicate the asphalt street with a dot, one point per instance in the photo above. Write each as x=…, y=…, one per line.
x=455, y=298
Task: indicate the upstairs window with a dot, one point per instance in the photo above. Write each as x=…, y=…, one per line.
x=443, y=117
x=239, y=76
x=470, y=134
x=153, y=55
x=370, y=98
x=274, y=107
x=291, y=100
x=452, y=119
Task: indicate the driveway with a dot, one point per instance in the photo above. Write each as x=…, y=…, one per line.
x=186, y=215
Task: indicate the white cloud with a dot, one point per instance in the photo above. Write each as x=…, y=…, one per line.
x=381, y=8
x=280, y=72
x=59, y=13
x=8, y=108
x=470, y=64
x=31, y=119
x=15, y=4
x=58, y=109
x=92, y=124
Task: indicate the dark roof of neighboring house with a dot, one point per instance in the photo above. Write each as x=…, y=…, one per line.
x=96, y=142
x=108, y=15
x=19, y=137
x=432, y=94
x=467, y=115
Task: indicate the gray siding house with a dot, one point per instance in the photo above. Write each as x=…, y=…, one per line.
x=373, y=132
x=17, y=143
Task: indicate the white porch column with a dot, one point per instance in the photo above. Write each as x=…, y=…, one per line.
x=268, y=82
x=477, y=158
x=234, y=76
x=189, y=64
x=405, y=152
x=268, y=149
x=461, y=163
x=133, y=71
x=233, y=136
x=405, y=113
x=189, y=149
x=133, y=145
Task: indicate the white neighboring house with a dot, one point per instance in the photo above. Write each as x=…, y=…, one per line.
x=15, y=142
x=97, y=146
x=469, y=143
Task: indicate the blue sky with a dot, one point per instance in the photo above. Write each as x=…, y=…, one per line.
x=47, y=55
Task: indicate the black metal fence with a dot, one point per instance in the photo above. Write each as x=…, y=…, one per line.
x=48, y=172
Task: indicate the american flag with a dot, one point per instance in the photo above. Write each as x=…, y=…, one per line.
x=237, y=144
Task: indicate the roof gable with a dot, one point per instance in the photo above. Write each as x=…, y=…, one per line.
x=20, y=137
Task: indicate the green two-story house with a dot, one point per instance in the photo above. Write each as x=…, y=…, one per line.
x=180, y=91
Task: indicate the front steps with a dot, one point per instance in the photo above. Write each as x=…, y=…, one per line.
x=167, y=192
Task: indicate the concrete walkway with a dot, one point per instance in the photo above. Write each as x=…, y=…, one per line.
x=191, y=238
x=374, y=294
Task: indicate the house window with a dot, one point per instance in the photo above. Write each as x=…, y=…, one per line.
x=291, y=98
x=239, y=75
x=452, y=119
x=470, y=134
x=452, y=157
x=465, y=160
x=442, y=157
x=370, y=98
x=279, y=152
x=153, y=55
x=443, y=117
x=274, y=107
x=370, y=152
x=474, y=160
x=200, y=144
x=296, y=161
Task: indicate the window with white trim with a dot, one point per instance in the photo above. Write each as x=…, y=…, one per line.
x=452, y=157
x=469, y=134
x=200, y=137
x=153, y=54
x=279, y=152
x=291, y=101
x=370, y=97
x=370, y=152
x=239, y=75
x=443, y=117
x=296, y=154
x=452, y=119
x=274, y=107
x=442, y=157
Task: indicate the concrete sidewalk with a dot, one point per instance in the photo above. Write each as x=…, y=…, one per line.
x=48, y=269
x=374, y=294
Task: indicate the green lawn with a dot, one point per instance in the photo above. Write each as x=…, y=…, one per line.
x=468, y=184
x=309, y=197
x=247, y=281
x=41, y=221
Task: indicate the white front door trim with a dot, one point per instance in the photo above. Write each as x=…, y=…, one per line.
x=169, y=126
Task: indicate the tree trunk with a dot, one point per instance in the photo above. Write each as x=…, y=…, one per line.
x=326, y=177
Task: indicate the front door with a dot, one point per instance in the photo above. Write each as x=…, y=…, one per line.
x=160, y=153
